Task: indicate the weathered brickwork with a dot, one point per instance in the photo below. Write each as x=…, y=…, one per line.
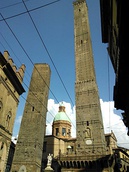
x=31, y=135
x=89, y=124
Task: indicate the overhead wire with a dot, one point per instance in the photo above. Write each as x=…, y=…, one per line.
x=45, y=45
x=38, y=100
x=28, y=11
x=30, y=61
x=26, y=54
x=47, y=52
x=43, y=42
x=33, y=105
x=41, y=37
x=10, y=47
x=11, y=5
x=35, y=108
x=34, y=9
x=45, y=49
x=30, y=58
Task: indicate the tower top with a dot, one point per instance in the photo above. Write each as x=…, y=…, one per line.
x=78, y=1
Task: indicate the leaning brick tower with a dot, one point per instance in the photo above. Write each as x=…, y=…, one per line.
x=28, y=153
x=89, y=123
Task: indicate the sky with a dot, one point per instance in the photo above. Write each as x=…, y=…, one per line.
x=46, y=35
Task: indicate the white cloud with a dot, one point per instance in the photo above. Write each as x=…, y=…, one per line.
x=111, y=119
x=18, y=119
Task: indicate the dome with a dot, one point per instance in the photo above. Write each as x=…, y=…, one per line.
x=61, y=116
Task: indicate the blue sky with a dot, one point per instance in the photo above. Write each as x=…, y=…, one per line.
x=55, y=25
x=53, y=44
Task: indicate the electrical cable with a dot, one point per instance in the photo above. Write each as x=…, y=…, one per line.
x=45, y=46
x=43, y=42
x=47, y=52
x=26, y=54
x=11, y=5
x=34, y=9
x=29, y=11
x=38, y=72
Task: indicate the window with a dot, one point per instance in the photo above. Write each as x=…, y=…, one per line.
x=87, y=122
x=57, y=131
x=1, y=106
x=63, y=131
x=32, y=108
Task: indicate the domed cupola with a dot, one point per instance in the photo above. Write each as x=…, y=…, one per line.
x=61, y=126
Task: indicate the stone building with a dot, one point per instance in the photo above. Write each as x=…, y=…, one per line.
x=60, y=142
x=28, y=152
x=114, y=28
x=10, y=90
x=62, y=147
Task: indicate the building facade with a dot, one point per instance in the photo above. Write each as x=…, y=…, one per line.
x=10, y=90
x=28, y=152
x=115, y=33
x=62, y=147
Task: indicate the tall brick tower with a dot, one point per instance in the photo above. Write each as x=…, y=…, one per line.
x=89, y=123
x=10, y=89
x=28, y=153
